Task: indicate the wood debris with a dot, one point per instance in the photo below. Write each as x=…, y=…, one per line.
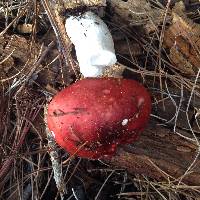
x=74, y=4
x=164, y=161
x=137, y=13
x=182, y=39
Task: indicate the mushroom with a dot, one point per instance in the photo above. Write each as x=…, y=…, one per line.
x=93, y=116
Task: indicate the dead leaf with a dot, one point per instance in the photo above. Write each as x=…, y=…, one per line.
x=183, y=40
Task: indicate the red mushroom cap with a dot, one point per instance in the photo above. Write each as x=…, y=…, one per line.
x=97, y=114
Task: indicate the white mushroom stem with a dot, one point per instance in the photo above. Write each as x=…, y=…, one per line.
x=93, y=43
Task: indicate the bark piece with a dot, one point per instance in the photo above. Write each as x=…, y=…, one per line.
x=183, y=40
x=80, y=3
x=160, y=154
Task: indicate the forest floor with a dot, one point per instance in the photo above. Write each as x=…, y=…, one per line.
x=157, y=43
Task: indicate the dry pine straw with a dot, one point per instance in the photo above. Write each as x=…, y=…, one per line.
x=27, y=168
